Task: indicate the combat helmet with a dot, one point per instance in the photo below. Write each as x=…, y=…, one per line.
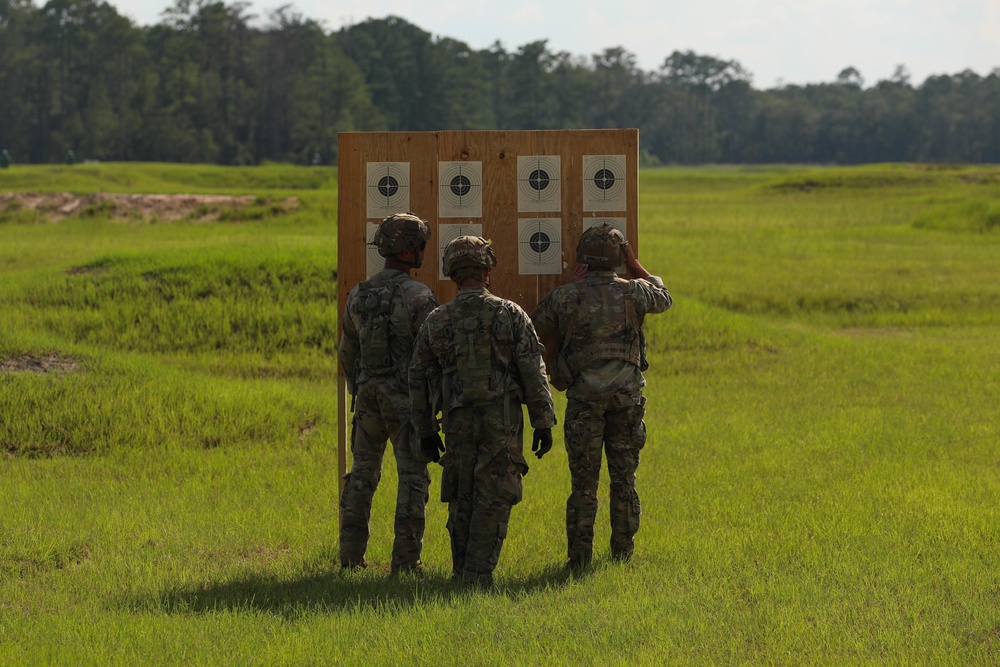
x=467, y=252
x=601, y=247
x=401, y=232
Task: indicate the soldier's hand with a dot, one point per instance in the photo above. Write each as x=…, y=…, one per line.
x=431, y=446
x=541, y=441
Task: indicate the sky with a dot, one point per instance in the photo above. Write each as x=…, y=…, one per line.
x=780, y=42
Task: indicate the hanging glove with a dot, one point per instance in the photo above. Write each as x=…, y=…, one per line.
x=541, y=441
x=430, y=445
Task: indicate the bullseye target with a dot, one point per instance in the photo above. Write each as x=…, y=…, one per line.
x=604, y=183
x=539, y=183
x=460, y=189
x=373, y=261
x=539, y=245
x=388, y=187
x=448, y=233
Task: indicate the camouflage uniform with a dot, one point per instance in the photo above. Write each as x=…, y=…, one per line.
x=599, y=321
x=381, y=412
x=483, y=354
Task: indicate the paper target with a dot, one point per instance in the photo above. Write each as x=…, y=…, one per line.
x=604, y=183
x=618, y=223
x=373, y=261
x=388, y=188
x=539, y=183
x=448, y=233
x=460, y=189
x=539, y=246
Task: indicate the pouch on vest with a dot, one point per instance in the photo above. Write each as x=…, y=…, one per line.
x=474, y=380
x=375, y=308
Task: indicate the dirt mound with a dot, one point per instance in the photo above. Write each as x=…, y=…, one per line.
x=60, y=205
x=50, y=363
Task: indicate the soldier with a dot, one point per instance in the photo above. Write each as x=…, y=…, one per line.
x=380, y=322
x=597, y=323
x=483, y=354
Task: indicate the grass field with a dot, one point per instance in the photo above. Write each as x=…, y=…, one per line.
x=821, y=483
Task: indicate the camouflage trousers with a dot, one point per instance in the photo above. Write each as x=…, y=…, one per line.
x=614, y=426
x=381, y=414
x=481, y=481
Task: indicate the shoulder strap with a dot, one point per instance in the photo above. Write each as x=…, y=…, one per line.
x=396, y=284
x=581, y=299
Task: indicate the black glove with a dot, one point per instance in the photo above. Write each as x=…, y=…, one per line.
x=541, y=441
x=429, y=446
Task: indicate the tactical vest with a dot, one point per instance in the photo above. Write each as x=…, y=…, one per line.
x=478, y=377
x=620, y=334
x=373, y=306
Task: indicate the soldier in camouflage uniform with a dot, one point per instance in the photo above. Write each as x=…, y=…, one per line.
x=380, y=322
x=481, y=354
x=596, y=323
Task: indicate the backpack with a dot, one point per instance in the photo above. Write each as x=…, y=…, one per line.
x=478, y=376
x=373, y=305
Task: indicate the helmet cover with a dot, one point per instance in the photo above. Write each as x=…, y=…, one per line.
x=601, y=247
x=401, y=232
x=467, y=252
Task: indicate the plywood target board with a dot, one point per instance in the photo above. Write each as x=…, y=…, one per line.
x=531, y=193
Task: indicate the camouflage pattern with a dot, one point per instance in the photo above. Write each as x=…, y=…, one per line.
x=484, y=461
x=481, y=481
x=467, y=252
x=401, y=232
x=381, y=414
x=615, y=427
x=411, y=305
x=601, y=247
x=605, y=406
x=377, y=415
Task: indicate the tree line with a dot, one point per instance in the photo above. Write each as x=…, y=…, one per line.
x=213, y=83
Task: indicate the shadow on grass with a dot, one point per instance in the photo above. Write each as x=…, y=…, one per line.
x=339, y=591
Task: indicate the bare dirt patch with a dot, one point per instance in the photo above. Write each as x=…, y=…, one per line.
x=50, y=363
x=57, y=206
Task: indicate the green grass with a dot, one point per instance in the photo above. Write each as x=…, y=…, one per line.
x=820, y=484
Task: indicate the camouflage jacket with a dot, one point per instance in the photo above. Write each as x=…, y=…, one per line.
x=477, y=350
x=595, y=326
x=409, y=303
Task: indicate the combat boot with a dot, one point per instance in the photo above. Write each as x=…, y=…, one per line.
x=351, y=564
x=410, y=568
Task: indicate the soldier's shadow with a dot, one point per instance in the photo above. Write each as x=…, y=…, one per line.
x=337, y=590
